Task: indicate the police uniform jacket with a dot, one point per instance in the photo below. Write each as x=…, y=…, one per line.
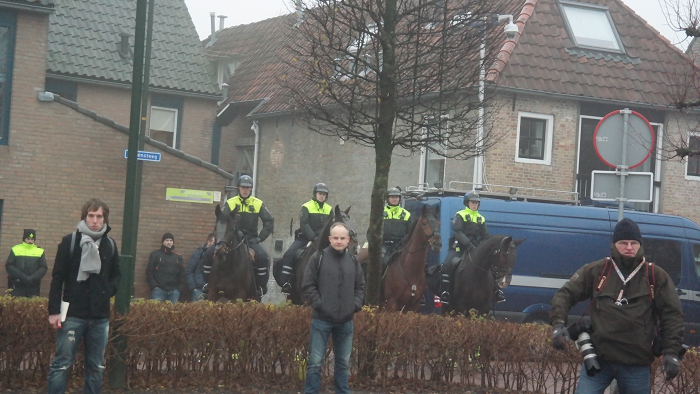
x=88, y=299
x=313, y=218
x=396, y=223
x=469, y=227
x=251, y=209
x=26, y=265
x=165, y=270
x=624, y=333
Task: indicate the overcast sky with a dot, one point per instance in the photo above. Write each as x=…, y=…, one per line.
x=241, y=12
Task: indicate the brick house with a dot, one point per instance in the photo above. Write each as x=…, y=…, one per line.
x=554, y=81
x=57, y=152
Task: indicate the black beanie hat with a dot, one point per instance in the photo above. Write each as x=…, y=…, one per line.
x=167, y=236
x=626, y=229
x=29, y=233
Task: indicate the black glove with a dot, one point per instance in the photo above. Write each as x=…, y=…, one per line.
x=560, y=336
x=671, y=365
x=27, y=280
x=254, y=240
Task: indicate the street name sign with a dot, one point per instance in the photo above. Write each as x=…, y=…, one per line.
x=144, y=155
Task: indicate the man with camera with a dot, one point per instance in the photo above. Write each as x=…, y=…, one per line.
x=627, y=295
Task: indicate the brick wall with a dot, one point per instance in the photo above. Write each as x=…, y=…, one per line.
x=58, y=158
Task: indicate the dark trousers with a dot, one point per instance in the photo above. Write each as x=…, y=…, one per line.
x=261, y=266
x=288, y=258
x=22, y=290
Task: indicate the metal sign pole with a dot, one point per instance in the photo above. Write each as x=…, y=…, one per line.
x=623, y=169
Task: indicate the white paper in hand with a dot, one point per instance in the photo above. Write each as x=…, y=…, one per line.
x=64, y=310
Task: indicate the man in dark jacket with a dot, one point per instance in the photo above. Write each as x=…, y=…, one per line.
x=85, y=276
x=623, y=308
x=194, y=271
x=166, y=271
x=25, y=266
x=335, y=287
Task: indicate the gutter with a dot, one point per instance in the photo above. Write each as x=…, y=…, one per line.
x=27, y=7
x=256, y=129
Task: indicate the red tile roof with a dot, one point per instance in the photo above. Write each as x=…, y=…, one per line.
x=541, y=58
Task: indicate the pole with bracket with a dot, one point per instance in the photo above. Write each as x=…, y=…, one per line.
x=623, y=169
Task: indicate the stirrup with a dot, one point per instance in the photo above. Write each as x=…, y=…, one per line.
x=445, y=297
x=286, y=288
x=499, y=296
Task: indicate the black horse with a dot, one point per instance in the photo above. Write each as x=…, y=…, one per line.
x=474, y=281
x=232, y=275
x=322, y=242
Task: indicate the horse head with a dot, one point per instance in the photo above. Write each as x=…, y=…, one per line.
x=344, y=217
x=430, y=224
x=504, y=261
x=226, y=229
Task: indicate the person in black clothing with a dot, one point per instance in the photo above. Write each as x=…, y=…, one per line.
x=166, y=271
x=335, y=287
x=195, y=270
x=85, y=276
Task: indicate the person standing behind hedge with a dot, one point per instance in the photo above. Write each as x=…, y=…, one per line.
x=85, y=275
x=25, y=266
x=334, y=284
x=166, y=271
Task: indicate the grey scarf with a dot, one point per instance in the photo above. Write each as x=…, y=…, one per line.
x=90, y=262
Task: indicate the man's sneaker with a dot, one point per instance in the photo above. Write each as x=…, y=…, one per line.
x=445, y=297
x=499, y=296
x=286, y=288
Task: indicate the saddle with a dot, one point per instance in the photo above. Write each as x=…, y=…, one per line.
x=433, y=275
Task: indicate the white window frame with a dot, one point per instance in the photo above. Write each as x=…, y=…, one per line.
x=685, y=170
x=175, y=114
x=549, y=134
x=603, y=10
x=425, y=152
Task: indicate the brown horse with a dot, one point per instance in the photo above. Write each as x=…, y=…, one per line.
x=232, y=269
x=473, y=284
x=297, y=296
x=403, y=283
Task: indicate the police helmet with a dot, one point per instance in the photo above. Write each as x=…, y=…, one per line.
x=393, y=192
x=245, y=181
x=320, y=187
x=471, y=196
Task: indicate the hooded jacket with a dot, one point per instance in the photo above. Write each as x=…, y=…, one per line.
x=334, y=286
x=624, y=333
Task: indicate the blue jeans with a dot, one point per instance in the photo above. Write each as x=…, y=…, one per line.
x=197, y=295
x=94, y=333
x=631, y=379
x=163, y=295
x=342, y=347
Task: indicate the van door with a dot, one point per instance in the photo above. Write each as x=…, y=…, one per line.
x=690, y=298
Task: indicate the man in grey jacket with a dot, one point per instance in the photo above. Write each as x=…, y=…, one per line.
x=335, y=287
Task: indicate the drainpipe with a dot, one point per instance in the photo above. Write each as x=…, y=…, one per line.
x=479, y=160
x=256, y=129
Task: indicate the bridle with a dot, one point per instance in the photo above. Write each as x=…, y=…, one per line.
x=429, y=239
x=494, y=268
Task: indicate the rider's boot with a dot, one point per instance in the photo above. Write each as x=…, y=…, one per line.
x=284, y=278
x=287, y=288
x=445, y=272
x=498, y=296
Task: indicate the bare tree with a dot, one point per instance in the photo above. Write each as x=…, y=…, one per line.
x=393, y=73
x=684, y=92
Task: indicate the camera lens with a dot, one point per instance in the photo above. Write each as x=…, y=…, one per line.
x=590, y=359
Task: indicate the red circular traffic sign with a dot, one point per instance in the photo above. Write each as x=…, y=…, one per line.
x=608, y=139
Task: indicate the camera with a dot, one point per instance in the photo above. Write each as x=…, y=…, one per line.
x=511, y=29
x=581, y=335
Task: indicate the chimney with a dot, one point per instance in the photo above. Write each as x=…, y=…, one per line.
x=124, y=47
x=299, y=5
x=221, y=21
x=224, y=91
x=212, y=39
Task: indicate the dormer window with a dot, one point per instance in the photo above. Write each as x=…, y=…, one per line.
x=590, y=26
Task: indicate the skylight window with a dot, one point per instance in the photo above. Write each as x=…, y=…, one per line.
x=591, y=27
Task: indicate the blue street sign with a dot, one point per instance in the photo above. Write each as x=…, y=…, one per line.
x=143, y=155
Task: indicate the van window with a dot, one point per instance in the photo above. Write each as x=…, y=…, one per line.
x=696, y=255
x=666, y=254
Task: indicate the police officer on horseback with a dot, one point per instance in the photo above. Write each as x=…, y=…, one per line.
x=312, y=218
x=470, y=230
x=396, y=222
x=251, y=209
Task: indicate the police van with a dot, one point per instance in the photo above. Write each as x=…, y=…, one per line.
x=561, y=238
